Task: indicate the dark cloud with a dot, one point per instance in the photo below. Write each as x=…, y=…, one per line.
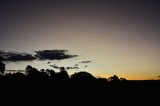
x=54, y=66
x=48, y=62
x=15, y=56
x=67, y=68
x=86, y=66
x=85, y=61
x=53, y=55
x=40, y=55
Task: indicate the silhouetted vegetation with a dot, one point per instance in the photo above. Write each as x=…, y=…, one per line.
x=47, y=86
x=2, y=67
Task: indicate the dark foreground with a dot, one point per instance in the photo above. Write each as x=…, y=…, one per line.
x=79, y=89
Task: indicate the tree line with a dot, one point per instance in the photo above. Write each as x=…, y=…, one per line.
x=46, y=85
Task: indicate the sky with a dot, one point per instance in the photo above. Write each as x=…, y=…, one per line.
x=118, y=36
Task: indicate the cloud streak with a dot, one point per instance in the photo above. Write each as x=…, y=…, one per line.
x=40, y=55
x=54, y=66
x=67, y=68
x=86, y=61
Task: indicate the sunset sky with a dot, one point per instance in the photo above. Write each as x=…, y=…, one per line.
x=119, y=37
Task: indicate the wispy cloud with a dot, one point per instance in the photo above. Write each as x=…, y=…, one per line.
x=67, y=68
x=54, y=66
x=89, y=61
x=72, y=68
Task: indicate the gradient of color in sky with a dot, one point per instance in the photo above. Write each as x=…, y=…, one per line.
x=120, y=36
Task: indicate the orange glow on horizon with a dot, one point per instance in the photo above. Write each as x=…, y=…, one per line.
x=128, y=77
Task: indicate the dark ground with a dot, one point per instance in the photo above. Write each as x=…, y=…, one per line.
x=50, y=88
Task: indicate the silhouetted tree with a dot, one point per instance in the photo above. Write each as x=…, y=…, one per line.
x=44, y=85
x=62, y=75
x=42, y=70
x=82, y=76
x=62, y=69
x=51, y=73
x=114, y=78
x=123, y=79
x=18, y=76
x=28, y=69
x=2, y=67
x=33, y=73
